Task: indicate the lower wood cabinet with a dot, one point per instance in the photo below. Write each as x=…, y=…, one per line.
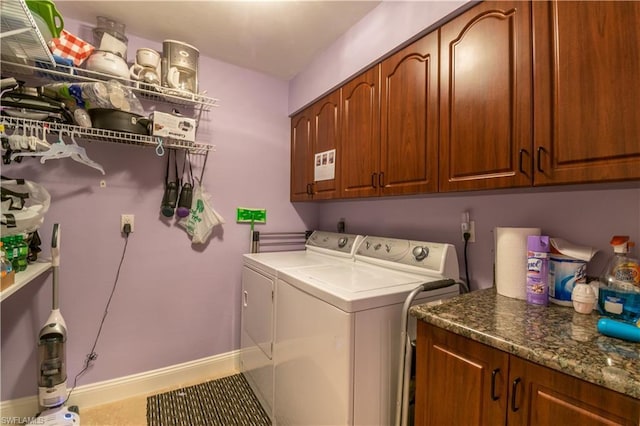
x=463, y=382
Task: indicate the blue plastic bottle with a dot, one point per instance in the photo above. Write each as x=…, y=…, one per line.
x=621, y=330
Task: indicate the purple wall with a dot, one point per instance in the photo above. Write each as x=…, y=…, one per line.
x=175, y=302
x=587, y=215
x=378, y=33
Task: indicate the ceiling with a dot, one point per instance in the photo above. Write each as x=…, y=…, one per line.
x=278, y=38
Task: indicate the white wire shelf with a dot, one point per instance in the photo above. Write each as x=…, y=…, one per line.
x=23, y=278
x=103, y=135
x=20, y=36
x=63, y=73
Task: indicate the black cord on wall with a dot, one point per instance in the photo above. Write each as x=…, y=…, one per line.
x=92, y=356
x=466, y=236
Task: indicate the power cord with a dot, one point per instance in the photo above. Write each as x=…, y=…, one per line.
x=466, y=237
x=92, y=356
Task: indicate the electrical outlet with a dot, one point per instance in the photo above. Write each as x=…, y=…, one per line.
x=124, y=219
x=469, y=227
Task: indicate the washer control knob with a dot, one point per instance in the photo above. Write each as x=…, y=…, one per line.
x=342, y=242
x=419, y=253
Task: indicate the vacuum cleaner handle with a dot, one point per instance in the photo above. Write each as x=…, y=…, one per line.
x=55, y=245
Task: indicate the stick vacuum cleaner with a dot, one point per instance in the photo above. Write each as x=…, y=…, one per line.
x=52, y=368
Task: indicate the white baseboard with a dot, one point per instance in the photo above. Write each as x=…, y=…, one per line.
x=149, y=382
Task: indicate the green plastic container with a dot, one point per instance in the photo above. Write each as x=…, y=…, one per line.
x=46, y=9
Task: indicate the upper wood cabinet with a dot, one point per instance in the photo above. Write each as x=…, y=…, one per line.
x=361, y=135
x=390, y=125
x=316, y=129
x=301, y=163
x=409, y=119
x=486, y=98
x=511, y=94
x=586, y=91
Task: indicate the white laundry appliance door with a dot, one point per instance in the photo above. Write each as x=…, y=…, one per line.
x=256, y=337
x=313, y=359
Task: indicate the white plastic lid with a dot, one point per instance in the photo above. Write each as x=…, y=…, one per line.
x=583, y=293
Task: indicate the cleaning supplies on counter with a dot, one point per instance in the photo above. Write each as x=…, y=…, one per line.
x=511, y=260
x=564, y=273
x=567, y=268
x=537, y=290
x=619, y=294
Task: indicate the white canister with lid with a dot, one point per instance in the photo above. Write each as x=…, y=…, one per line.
x=564, y=273
x=583, y=297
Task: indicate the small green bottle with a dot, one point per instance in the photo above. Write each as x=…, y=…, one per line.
x=23, y=252
x=11, y=251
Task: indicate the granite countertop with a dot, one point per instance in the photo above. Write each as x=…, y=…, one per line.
x=555, y=336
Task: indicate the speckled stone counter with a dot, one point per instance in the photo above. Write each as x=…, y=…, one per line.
x=555, y=336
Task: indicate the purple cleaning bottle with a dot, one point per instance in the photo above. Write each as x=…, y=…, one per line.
x=538, y=270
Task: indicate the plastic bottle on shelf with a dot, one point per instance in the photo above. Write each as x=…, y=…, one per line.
x=23, y=253
x=5, y=265
x=11, y=251
x=619, y=293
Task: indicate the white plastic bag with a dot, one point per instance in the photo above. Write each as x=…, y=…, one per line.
x=202, y=217
x=28, y=217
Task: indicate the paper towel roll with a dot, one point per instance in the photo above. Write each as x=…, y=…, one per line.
x=511, y=260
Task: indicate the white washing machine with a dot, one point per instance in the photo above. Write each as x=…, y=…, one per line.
x=259, y=274
x=337, y=340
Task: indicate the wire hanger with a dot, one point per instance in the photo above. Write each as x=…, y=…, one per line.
x=62, y=150
x=80, y=155
x=206, y=157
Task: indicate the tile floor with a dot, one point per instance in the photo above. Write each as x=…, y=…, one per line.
x=127, y=412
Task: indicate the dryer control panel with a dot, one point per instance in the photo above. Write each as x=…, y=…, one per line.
x=333, y=242
x=414, y=256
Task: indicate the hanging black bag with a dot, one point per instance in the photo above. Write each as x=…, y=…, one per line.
x=186, y=193
x=170, y=196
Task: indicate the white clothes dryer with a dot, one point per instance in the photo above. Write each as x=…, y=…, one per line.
x=259, y=274
x=337, y=331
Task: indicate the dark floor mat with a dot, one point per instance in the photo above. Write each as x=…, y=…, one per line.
x=226, y=401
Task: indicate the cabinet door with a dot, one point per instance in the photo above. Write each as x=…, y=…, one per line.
x=543, y=396
x=361, y=135
x=326, y=136
x=458, y=381
x=301, y=158
x=587, y=96
x=409, y=119
x=485, y=99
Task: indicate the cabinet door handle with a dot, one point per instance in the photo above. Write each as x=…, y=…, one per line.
x=494, y=373
x=381, y=180
x=373, y=179
x=309, y=189
x=522, y=151
x=539, y=165
x=514, y=390
x=245, y=299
